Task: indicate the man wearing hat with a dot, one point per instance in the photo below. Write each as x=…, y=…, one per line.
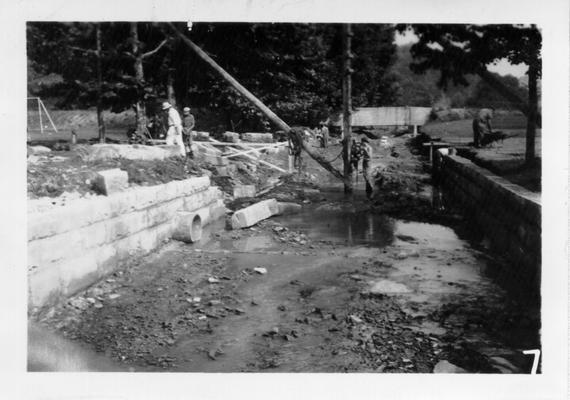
x=187, y=126
x=174, y=133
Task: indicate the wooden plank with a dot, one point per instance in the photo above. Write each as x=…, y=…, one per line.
x=240, y=152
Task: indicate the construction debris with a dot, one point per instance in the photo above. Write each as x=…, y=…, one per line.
x=251, y=215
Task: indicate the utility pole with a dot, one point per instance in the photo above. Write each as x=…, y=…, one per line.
x=100, y=120
x=347, y=106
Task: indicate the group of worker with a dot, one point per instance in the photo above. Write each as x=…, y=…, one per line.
x=179, y=130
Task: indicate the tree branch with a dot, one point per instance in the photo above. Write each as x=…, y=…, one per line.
x=150, y=53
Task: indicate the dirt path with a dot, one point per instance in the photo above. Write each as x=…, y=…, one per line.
x=349, y=286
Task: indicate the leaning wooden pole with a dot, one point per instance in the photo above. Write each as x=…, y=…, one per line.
x=296, y=132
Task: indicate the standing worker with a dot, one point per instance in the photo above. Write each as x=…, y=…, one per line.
x=174, y=133
x=482, y=125
x=188, y=123
x=366, y=152
x=325, y=134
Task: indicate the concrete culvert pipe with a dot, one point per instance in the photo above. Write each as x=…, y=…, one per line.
x=188, y=227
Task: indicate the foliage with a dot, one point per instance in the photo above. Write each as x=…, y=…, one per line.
x=460, y=49
x=293, y=68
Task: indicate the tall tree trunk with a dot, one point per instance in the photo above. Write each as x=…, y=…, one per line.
x=297, y=133
x=100, y=120
x=139, y=77
x=347, y=107
x=532, y=113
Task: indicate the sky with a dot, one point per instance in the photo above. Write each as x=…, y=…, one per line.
x=501, y=67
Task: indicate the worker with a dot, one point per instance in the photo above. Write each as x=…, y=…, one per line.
x=355, y=154
x=188, y=123
x=324, y=131
x=482, y=125
x=366, y=153
x=174, y=132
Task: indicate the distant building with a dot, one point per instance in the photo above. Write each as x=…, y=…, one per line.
x=386, y=116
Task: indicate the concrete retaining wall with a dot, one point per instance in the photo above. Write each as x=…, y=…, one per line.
x=72, y=246
x=508, y=214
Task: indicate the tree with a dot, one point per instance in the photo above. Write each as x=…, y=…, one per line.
x=138, y=56
x=458, y=50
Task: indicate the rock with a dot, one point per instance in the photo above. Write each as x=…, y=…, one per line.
x=445, y=367
x=387, y=287
x=111, y=181
x=240, y=191
x=38, y=150
x=33, y=159
x=202, y=317
x=114, y=296
x=226, y=170
x=130, y=152
x=215, y=302
x=251, y=215
x=260, y=270
x=232, y=137
x=257, y=137
x=213, y=280
x=289, y=208
x=196, y=299
x=200, y=136
x=354, y=319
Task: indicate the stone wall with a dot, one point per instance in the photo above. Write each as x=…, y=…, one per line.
x=508, y=214
x=72, y=246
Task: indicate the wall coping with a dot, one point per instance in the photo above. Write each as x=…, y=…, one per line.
x=504, y=183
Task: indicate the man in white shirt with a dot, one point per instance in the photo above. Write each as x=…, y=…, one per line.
x=174, y=133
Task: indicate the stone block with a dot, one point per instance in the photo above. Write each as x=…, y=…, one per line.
x=286, y=208
x=231, y=137
x=253, y=214
x=44, y=287
x=240, y=191
x=163, y=212
x=200, y=136
x=124, y=225
x=38, y=150
x=111, y=181
x=257, y=137
x=227, y=170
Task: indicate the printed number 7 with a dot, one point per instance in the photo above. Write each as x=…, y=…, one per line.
x=536, y=353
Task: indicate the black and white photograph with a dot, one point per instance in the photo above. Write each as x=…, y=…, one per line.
x=261, y=198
